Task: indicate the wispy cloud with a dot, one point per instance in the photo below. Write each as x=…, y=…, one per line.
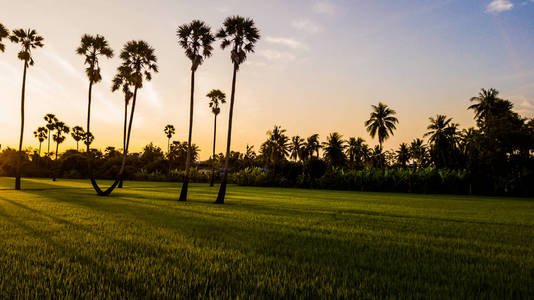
x=499, y=6
x=306, y=26
x=324, y=7
x=287, y=42
x=276, y=55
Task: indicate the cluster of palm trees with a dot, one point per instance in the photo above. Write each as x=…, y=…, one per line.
x=54, y=130
x=138, y=63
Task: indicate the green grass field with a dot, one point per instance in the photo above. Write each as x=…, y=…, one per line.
x=60, y=240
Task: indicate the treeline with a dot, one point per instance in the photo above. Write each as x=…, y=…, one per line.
x=495, y=157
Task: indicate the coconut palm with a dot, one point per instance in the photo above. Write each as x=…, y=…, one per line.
x=313, y=145
x=50, y=121
x=169, y=132
x=275, y=149
x=40, y=134
x=381, y=122
x=77, y=134
x=443, y=137
x=418, y=152
x=485, y=101
x=4, y=32
x=196, y=39
x=357, y=150
x=296, y=148
x=138, y=63
x=241, y=35
x=216, y=97
x=334, y=150
x=58, y=137
x=28, y=40
x=403, y=155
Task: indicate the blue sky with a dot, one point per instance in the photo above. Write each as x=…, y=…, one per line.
x=318, y=68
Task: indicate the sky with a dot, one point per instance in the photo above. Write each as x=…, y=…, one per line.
x=318, y=68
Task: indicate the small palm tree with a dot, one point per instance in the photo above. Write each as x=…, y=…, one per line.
x=40, y=134
x=216, y=97
x=58, y=137
x=403, y=155
x=313, y=145
x=296, y=148
x=196, y=39
x=485, y=101
x=28, y=39
x=77, y=134
x=241, y=35
x=50, y=121
x=4, y=32
x=381, y=122
x=334, y=149
x=169, y=132
x=418, y=152
x=357, y=150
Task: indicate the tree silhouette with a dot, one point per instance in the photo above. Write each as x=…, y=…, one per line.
x=357, y=151
x=92, y=48
x=169, y=132
x=216, y=97
x=296, y=148
x=334, y=150
x=313, y=145
x=443, y=137
x=28, y=40
x=418, y=152
x=60, y=128
x=196, y=39
x=4, y=33
x=77, y=134
x=241, y=35
x=381, y=122
x=403, y=155
x=50, y=121
x=40, y=134
x=485, y=102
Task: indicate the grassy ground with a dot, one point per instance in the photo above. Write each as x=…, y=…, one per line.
x=60, y=240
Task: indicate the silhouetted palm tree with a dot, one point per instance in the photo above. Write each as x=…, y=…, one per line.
x=216, y=97
x=28, y=40
x=418, y=152
x=334, y=150
x=121, y=80
x=169, y=132
x=357, y=151
x=275, y=149
x=381, y=122
x=241, y=35
x=50, y=121
x=58, y=137
x=443, y=139
x=92, y=48
x=40, y=134
x=4, y=32
x=77, y=134
x=403, y=155
x=313, y=145
x=485, y=101
x=296, y=148
x=196, y=39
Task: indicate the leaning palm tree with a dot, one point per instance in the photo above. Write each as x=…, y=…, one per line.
x=138, y=63
x=50, y=121
x=241, y=35
x=216, y=97
x=381, y=122
x=92, y=48
x=169, y=132
x=40, y=134
x=4, y=32
x=28, y=39
x=196, y=39
x=77, y=134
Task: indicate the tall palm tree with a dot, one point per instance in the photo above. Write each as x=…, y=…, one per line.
x=138, y=61
x=313, y=145
x=50, y=121
x=169, y=132
x=77, y=134
x=40, y=134
x=92, y=48
x=241, y=35
x=28, y=40
x=334, y=149
x=296, y=148
x=381, y=122
x=216, y=97
x=58, y=137
x=4, y=32
x=121, y=81
x=485, y=101
x=196, y=39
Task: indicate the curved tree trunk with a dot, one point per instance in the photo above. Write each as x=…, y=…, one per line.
x=19, y=156
x=185, y=185
x=124, y=132
x=212, y=181
x=222, y=189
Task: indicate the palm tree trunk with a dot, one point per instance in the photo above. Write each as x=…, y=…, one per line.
x=48, y=151
x=19, y=156
x=40, y=148
x=212, y=181
x=77, y=143
x=222, y=189
x=124, y=133
x=183, y=193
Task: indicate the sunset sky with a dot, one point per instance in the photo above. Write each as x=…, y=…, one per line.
x=319, y=66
